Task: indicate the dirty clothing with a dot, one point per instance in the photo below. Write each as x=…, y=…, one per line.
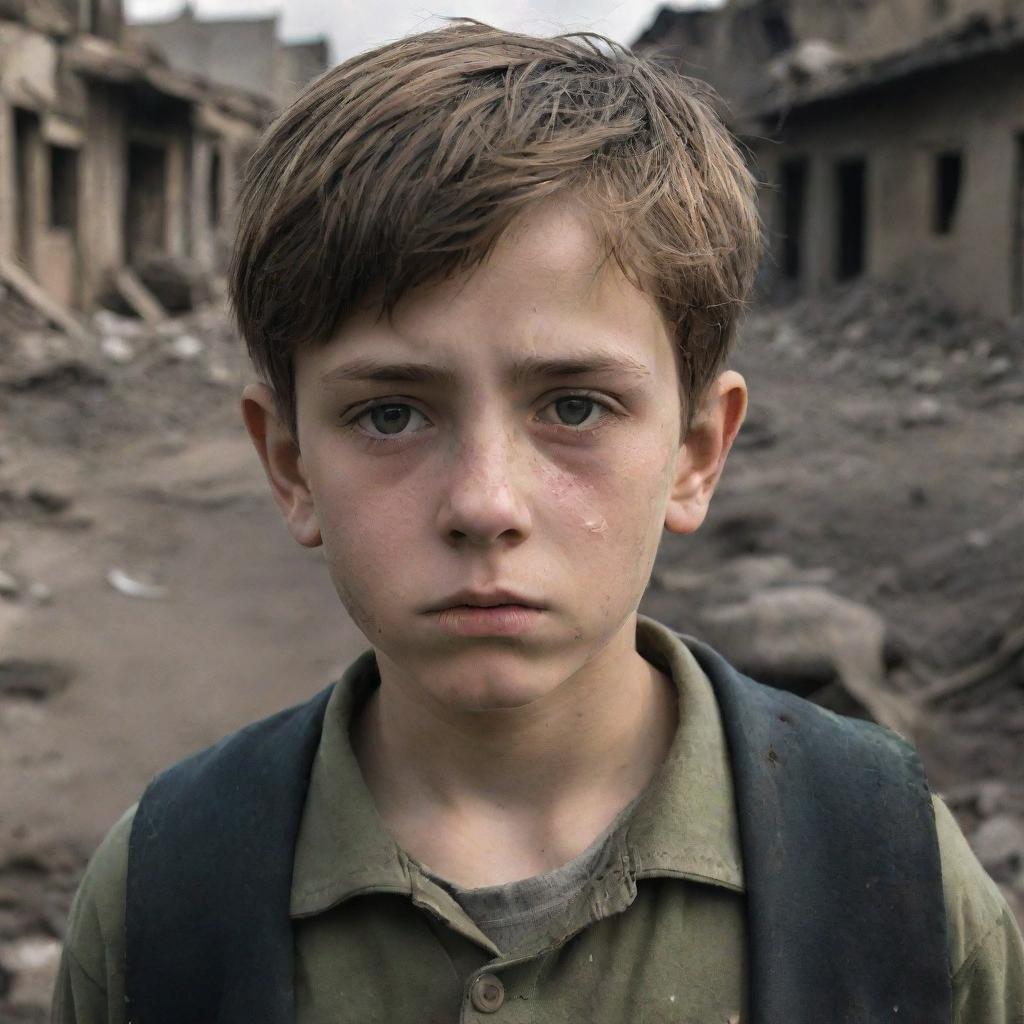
x=376, y=938
x=507, y=914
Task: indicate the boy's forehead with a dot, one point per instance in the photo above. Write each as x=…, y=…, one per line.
x=549, y=261
x=546, y=293
x=555, y=236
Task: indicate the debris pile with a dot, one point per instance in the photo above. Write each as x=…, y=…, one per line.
x=132, y=378
x=900, y=337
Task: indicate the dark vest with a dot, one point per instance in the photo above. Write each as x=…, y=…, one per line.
x=846, y=919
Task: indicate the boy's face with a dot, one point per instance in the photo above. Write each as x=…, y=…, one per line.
x=514, y=429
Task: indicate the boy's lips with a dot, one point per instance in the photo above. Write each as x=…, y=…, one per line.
x=493, y=620
x=490, y=598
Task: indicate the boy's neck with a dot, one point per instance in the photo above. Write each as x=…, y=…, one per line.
x=481, y=806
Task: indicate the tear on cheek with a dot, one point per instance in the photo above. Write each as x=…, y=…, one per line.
x=574, y=499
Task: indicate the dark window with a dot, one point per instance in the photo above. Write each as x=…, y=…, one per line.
x=214, y=193
x=851, y=177
x=948, y=175
x=940, y=8
x=63, y=187
x=26, y=140
x=794, y=192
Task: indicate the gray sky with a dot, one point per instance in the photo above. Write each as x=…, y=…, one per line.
x=354, y=26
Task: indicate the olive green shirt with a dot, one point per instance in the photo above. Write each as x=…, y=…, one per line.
x=656, y=934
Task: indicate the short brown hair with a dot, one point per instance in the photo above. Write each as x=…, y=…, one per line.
x=405, y=164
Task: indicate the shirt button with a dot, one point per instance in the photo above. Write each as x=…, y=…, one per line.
x=487, y=993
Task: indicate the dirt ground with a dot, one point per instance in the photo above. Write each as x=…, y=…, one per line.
x=153, y=601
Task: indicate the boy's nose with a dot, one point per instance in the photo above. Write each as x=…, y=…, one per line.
x=484, y=499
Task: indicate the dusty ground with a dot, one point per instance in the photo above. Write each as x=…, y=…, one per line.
x=884, y=456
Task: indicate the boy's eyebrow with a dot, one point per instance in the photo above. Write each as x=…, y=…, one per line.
x=598, y=362
x=372, y=369
x=521, y=371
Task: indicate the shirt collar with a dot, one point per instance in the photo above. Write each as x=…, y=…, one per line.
x=686, y=823
x=684, y=826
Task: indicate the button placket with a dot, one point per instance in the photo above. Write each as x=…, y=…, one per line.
x=487, y=993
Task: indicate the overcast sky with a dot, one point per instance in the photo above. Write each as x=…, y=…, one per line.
x=354, y=26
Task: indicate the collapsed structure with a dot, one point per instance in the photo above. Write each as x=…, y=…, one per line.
x=109, y=157
x=889, y=136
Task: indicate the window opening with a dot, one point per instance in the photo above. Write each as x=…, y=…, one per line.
x=63, y=187
x=214, y=194
x=794, y=193
x=26, y=138
x=948, y=174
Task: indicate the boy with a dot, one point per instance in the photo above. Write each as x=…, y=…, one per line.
x=490, y=282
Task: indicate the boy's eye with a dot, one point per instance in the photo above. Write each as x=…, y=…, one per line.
x=390, y=419
x=578, y=410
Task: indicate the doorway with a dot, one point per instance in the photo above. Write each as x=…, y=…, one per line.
x=145, y=207
x=851, y=213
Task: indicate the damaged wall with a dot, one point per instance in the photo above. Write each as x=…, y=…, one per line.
x=895, y=149
x=109, y=159
x=103, y=188
x=38, y=163
x=941, y=155
x=873, y=28
x=743, y=47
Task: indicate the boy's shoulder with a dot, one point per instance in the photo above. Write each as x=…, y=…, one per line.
x=90, y=984
x=977, y=913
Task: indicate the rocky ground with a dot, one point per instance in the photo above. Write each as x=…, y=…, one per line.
x=867, y=544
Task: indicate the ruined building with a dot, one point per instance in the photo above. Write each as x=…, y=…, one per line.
x=243, y=52
x=889, y=135
x=109, y=157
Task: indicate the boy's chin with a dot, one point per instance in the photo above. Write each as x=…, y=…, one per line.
x=492, y=690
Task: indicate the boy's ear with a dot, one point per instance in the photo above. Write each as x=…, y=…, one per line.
x=282, y=462
x=702, y=454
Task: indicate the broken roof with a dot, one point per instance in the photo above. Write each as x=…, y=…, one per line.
x=976, y=37
x=98, y=58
